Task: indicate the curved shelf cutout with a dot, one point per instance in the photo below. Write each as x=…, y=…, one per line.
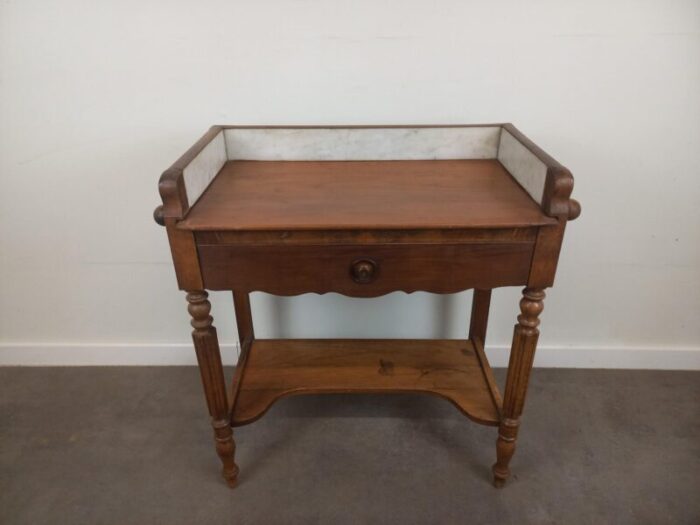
x=455, y=370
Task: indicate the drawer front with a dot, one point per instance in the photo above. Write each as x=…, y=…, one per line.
x=364, y=271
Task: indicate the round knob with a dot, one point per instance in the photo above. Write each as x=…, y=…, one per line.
x=363, y=271
x=158, y=215
x=574, y=209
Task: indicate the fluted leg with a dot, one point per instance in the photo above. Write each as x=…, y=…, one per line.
x=206, y=345
x=522, y=354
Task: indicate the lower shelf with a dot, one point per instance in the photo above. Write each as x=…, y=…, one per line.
x=456, y=370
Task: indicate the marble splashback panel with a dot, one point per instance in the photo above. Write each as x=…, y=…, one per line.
x=204, y=167
x=523, y=165
x=362, y=143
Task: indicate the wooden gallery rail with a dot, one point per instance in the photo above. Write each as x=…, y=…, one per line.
x=364, y=211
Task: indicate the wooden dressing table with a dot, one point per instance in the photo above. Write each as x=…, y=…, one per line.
x=364, y=211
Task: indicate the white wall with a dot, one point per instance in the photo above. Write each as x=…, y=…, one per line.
x=97, y=98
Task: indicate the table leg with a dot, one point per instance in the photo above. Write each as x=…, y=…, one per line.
x=206, y=345
x=522, y=354
x=480, y=315
x=244, y=317
x=244, y=323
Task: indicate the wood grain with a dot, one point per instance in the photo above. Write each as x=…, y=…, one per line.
x=303, y=195
x=481, y=302
x=365, y=237
x=447, y=368
x=185, y=259
x=292, y=270
x=545, y=256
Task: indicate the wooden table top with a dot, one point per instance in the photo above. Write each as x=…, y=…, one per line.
x=328, y=195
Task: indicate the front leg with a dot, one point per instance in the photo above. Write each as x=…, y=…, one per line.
x=206, y=345
x=522, y=354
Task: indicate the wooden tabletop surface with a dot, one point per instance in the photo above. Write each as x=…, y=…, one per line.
x=310, y=195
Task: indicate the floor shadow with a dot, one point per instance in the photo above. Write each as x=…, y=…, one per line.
x=439, y=422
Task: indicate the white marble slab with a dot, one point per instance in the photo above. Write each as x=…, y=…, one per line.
x=362, y=143
x=522, y=164
x=199, y=173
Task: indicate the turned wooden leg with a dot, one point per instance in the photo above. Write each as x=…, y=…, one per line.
x=480, y=315
x=206, y=345
x=522, y=354
x=244, y=321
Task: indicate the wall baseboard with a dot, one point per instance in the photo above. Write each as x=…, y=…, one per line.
x=178, y=354
x=106, y=354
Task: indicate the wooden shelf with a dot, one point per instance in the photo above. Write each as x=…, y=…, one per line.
x=456, y=370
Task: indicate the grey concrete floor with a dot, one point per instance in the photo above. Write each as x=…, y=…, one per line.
x=133, y=446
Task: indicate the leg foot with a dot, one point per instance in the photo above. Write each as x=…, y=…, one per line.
x=505, y=447
x=226, y=449
x=231, y=480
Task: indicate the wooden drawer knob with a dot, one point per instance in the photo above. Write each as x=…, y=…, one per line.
x=158, y=216
x=363, y=271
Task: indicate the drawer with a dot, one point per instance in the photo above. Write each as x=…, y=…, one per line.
x=364, y=271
